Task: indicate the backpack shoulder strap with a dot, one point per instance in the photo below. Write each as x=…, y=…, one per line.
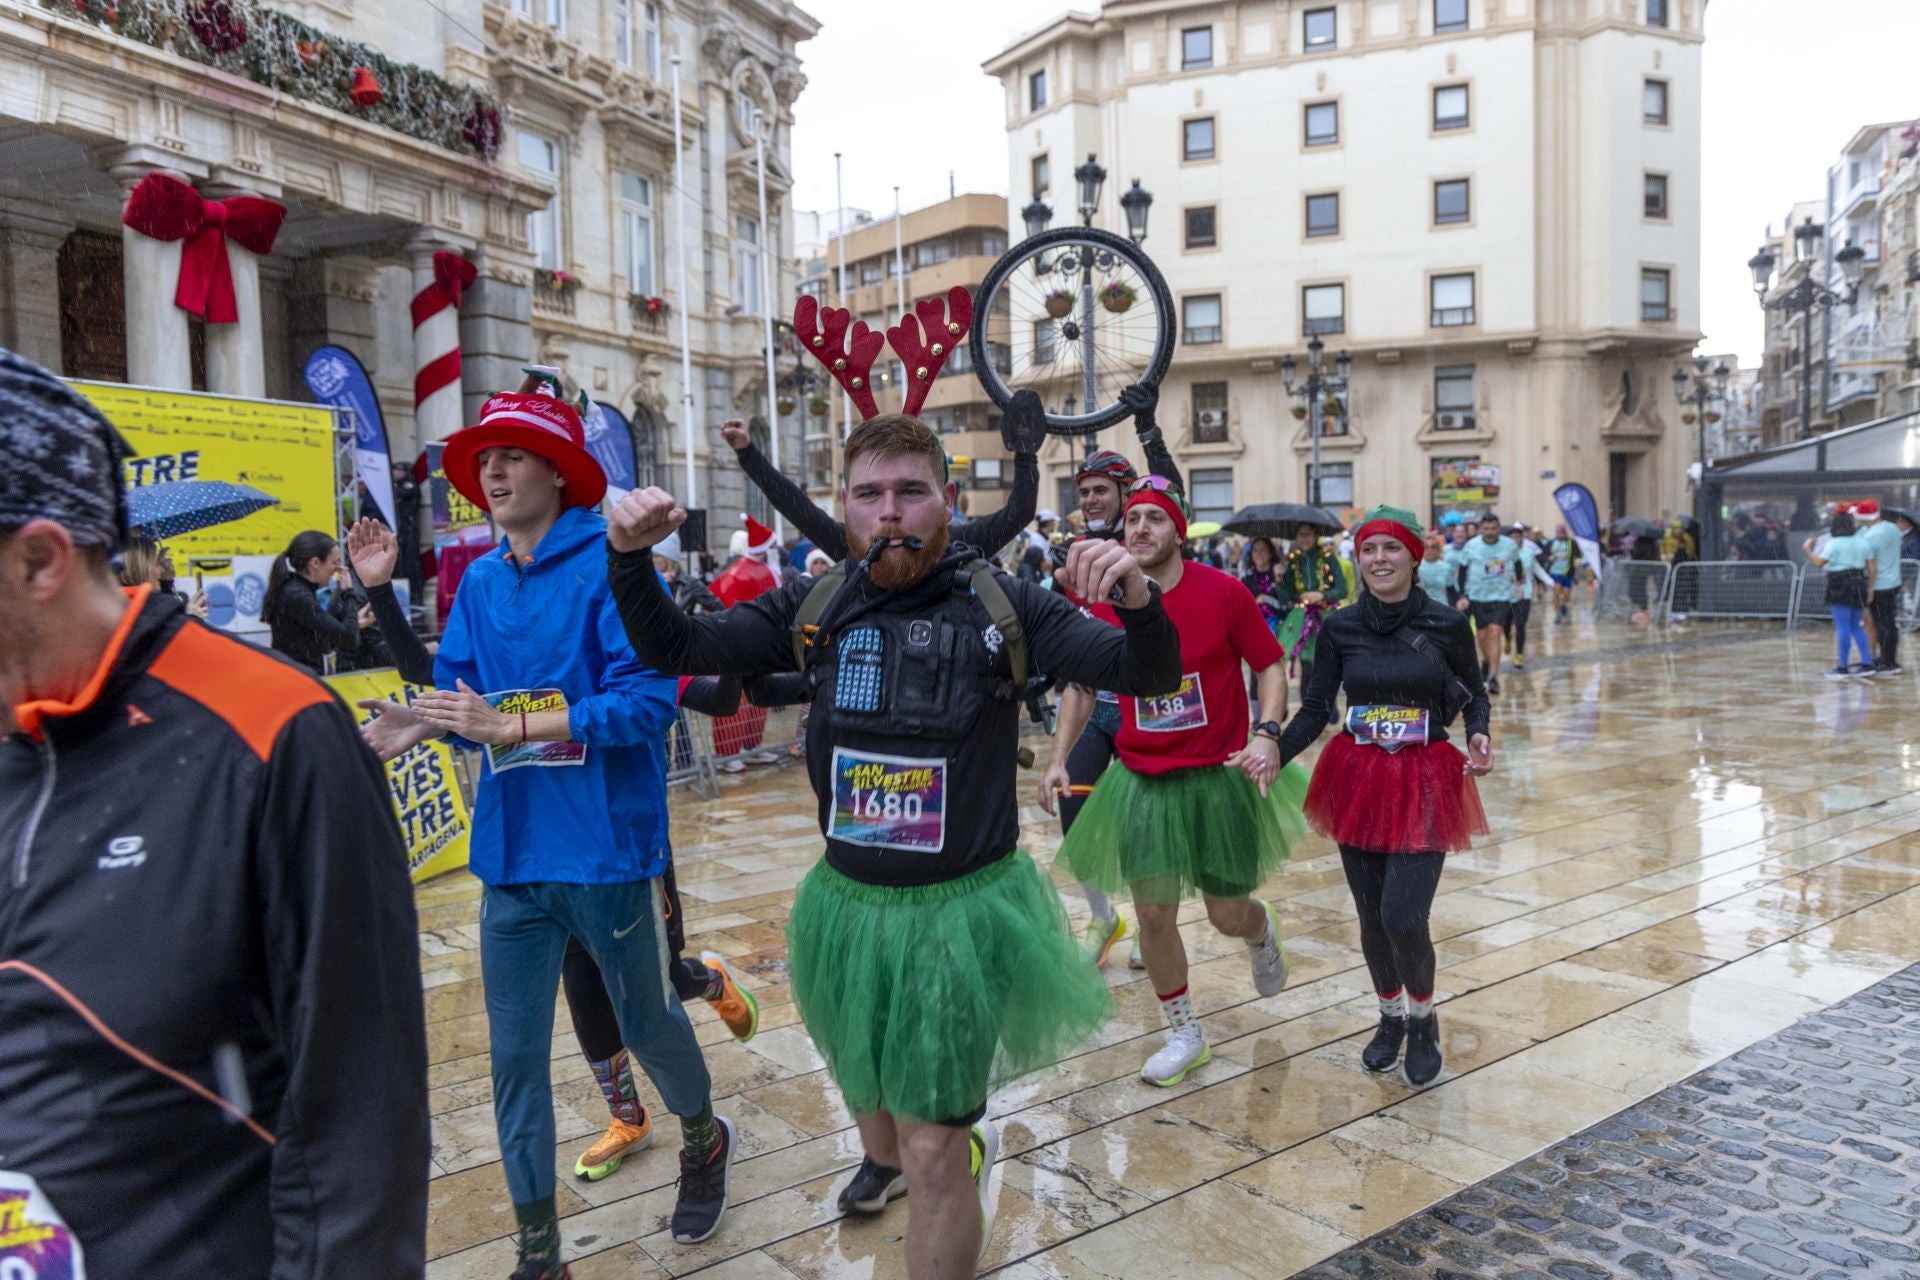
x=993, y=598
x=813, y=607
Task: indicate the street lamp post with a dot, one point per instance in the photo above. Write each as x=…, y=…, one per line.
x=1806, y=296
x=1700, y=389
x=1319, y=384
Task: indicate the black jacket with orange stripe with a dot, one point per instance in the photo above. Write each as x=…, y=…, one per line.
x=199, y=861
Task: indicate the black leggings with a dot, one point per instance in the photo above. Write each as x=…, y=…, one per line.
x=1393, y=893
x=590, y=1008
x=1085, y=763
x=1522, y=610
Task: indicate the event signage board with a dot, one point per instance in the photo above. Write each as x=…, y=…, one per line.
x=427, y=799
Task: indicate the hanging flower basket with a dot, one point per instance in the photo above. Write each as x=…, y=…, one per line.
x=1713, y=415
x=1300, y=412
x=1059, y=304
x=1117, y=297
x=817, y=406
x=784, y=404
x=1688, y=417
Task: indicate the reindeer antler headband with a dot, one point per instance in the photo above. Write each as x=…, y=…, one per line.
x=847, y=347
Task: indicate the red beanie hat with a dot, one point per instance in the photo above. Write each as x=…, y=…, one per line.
x=1167, y=501
x=1397, y=521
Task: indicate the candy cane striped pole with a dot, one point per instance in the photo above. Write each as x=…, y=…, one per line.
x=439, y=277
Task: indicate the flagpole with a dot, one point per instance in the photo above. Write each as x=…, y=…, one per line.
x=899, y=262
x=840, y=280
x=690, y=499
x=766, y=308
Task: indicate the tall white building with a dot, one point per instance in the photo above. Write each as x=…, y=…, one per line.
x=534, y=137
x=1493, y=205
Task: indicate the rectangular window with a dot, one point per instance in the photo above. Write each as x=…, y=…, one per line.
x=1202, y=232
x=1037, y=90
x=929, y=252
x=1197, y=139
x=1451, y=202
x=1450, y=110
x=1449, y=15
x=623, y=32
x=1042, y=176
x=1453, y=397
x=1656, y=13
x=1656, y=295
x=1653, y=101
x=1067, y=496
x=1323, y=309
x=1452, y=300
x=1321, y=31
x=1043, y=342
x=1196, y=48
x=1336, y=484
x=987, y=473
x=1323, y=124
x=1323, y=215
x=1200, y=319
x=1655, y=200
x=1209, y=413
x=636, y=213
x=650, y=34
x=872, y=272
x=747, y=265
x=542, y=156
x=1212, y=493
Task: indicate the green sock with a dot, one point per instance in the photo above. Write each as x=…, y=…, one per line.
x=700, y=1132
x=539, y=1235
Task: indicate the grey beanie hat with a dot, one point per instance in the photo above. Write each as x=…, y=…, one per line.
x=62, y=458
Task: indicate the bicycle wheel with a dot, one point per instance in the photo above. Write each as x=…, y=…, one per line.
x=1075, y=314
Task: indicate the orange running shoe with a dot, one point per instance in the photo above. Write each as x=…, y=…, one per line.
x=621, y=1140
x=735, y=1004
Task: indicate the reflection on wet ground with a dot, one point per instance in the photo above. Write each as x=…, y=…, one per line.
x=1695, y=846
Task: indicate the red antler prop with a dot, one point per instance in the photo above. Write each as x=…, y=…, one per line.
x=849, y=358
x=946, y=327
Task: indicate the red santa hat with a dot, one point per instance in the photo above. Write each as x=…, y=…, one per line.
x=760, y=539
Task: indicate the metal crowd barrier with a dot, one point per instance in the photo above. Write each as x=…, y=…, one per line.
x=690, y=754
x=1811, y=605
x=1628, y=587
x=1733, y=589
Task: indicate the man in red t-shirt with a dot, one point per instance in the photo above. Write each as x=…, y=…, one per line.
x=1189, y=811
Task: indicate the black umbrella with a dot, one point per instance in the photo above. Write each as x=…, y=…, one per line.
x=1280, y=520
x=1638, y=527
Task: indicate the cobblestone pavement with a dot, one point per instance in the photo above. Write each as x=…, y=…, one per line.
x=1799, y=1156
x=1695, y=847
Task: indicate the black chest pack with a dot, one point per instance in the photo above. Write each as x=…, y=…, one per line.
x=922, y=674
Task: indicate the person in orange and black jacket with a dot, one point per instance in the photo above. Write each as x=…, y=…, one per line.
x=212, y=1039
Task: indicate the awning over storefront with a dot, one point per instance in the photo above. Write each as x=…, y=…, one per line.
x=1798, y=484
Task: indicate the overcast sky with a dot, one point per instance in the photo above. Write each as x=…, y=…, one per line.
x=1787, y=83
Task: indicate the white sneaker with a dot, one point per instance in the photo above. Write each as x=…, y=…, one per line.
x=1269, y=958
x=1134, y=960
x=1185, y=1049
x=986, y=1146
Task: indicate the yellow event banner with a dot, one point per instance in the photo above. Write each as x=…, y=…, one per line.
x=427, y=799
x=279, y=448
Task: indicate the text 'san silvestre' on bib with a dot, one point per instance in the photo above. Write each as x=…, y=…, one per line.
x=889, y=802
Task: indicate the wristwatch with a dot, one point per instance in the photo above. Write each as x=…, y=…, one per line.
x=1268, y=729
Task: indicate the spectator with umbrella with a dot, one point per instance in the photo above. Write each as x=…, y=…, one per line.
x=145, y=562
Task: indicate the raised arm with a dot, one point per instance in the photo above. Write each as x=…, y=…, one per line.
x=1143, y=400
x=787, y=497
x=1023, y=429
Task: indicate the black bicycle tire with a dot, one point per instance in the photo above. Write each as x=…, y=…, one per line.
x=990, y=381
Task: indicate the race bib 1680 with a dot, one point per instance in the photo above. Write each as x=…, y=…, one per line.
x=889, y=802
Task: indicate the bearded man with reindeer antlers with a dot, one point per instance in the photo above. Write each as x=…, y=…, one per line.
x=930, y=958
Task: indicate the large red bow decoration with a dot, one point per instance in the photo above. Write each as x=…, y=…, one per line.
x=166, y=208
x=451, y=275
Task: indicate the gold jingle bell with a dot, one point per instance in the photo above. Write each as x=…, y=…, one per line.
x=953, y=327
x=921, y=373
x=819, y=340
x=939, y=350
x=858, y=383
x=839, y=366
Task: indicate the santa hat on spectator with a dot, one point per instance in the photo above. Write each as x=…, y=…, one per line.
x=1867, y=510
x=760, y=539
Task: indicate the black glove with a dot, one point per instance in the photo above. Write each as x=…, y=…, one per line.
x=1142, y=398
x=1023, y=428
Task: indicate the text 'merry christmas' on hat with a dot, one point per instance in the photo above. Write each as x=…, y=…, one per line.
x=538, y=424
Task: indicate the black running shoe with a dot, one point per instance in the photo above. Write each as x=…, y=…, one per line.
x=1383, y=1051
x=1423, y=1050
x=873, y=1186
x=704, y=1186
x=1493, y=685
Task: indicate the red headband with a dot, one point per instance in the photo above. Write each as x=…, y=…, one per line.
x=1408, y=538
x=1166, y=502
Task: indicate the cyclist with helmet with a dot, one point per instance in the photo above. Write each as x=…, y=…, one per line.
x=1090, y=719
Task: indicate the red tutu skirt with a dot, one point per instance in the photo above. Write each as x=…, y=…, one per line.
x=1414, y=800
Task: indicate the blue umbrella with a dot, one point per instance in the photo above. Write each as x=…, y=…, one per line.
x=168, y=510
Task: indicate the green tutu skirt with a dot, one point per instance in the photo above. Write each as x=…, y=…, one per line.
x=1171, y=835
x=923, y=999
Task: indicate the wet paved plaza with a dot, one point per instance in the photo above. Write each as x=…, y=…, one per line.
x=1698, y=846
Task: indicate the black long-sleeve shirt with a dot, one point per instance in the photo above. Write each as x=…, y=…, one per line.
x=305, y=631
x=989, y=532
x=204, y=856
x=976, y=737
x=1377, y=668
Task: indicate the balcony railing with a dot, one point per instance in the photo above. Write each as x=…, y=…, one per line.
x=1449, y=317
x=1323, y=324
x=279, y=51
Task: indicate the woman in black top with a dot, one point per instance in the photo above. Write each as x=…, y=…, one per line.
x=303, y=628
x=1391, y=790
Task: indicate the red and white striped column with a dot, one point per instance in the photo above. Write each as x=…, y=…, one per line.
x=439, y=276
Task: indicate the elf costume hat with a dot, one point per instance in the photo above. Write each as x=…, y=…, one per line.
x=535, y=422
x=1397, y=521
